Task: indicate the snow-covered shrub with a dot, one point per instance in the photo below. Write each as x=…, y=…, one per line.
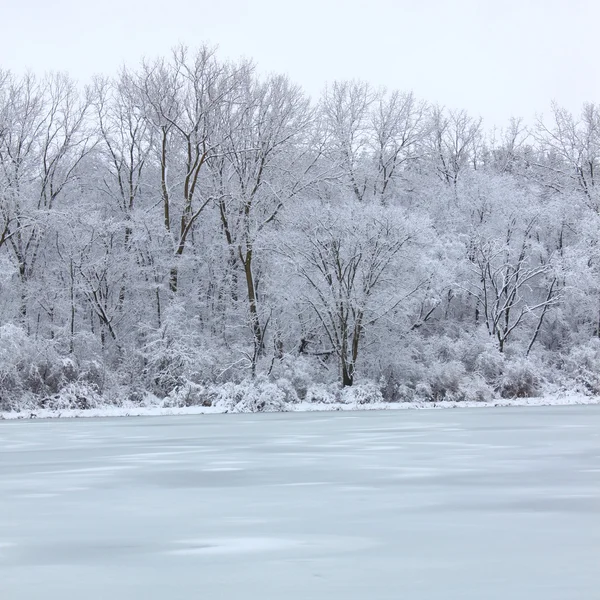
x=520, y=379
x=92, y=372
x=188, y=394
x=476, y=389
x=12, y=340
x=300, y=371
x=34, y=372
x=390, y=385
x=166, y=365
x=398, y=381
x=47, y=375
x=361, y=393
x=15, y=352
x=454, y=368
x=323, y=394
x=445, y=380
x=259, y=395
x=178, y=353
x=172, y=363
x=29, y=366
x=289, y=390
x=73, y=396
x=490, y=364
x=403, y=393
x=581, y=367
x=364, y=392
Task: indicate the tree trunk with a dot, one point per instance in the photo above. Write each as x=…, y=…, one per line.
x=347, y=374
x=257, y=330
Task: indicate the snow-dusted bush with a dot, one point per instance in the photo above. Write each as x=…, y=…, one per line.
x=362, y=393
x=476, y=389
x=581, y=367
x=75, y=395
x=450, y=381
x=178, y=354
x=259, y=395
x=12, y=340
x=34, y=368
x=300, y=371
x=463, y=367
x=16, y=353
x=490, y=364
x=445, y=380
x=323, y=394
x=167, y=364
x=188, y=394
x=288, y=389
x=520, y=379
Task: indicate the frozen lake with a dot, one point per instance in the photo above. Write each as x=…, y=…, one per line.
x=483, y=504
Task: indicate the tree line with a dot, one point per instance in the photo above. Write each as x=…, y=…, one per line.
x=189, y=221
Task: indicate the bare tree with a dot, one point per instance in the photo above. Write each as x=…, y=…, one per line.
x=398, y=123
x=46, y=139
x=182, y=99
x=266, y=163
x=345, y=109
x=510, y=286
x=570, y=157
x=453, y=139
x=511, y=148
x=371, y=135
x=348, y=262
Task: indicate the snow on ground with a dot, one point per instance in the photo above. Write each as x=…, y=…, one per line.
x=159, y=410
x=377, y=505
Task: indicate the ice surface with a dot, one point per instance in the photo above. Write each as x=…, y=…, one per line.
x=499, y=504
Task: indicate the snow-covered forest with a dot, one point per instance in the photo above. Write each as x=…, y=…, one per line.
x=192, y=228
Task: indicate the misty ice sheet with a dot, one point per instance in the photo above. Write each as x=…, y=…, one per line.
x=456, y=504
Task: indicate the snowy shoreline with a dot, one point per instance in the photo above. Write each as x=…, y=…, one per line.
x=158, y=411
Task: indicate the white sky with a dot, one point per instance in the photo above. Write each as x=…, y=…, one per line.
x=495, y=58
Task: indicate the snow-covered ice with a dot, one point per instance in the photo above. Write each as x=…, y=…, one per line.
x=497, y=504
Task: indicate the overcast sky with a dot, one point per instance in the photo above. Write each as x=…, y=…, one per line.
x=495, y=58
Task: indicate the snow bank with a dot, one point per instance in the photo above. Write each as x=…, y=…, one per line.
x=352, y=400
